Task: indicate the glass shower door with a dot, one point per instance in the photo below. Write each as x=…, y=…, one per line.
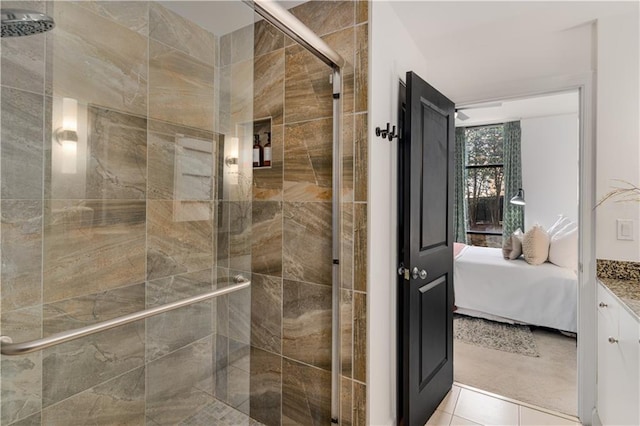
x=126, y=171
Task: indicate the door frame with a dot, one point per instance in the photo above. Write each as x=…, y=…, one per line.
x=587, y=314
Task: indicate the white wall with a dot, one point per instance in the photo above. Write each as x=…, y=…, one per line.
x=618, y=135
x=392, y=54
x=550, y=168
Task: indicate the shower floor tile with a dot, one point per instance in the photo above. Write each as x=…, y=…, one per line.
x=220, y=414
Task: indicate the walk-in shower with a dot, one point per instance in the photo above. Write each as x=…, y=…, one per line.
x=18, y=22
x=153, y=272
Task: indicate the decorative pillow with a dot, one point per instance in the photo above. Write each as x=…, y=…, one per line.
x=512, y=247
x=558, y=225
x=563, y=249
x=535, y=245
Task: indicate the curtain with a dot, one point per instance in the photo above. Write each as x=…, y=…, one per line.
x=459, y=203
x=512, y=215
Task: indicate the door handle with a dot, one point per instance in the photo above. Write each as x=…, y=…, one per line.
x=415, y=273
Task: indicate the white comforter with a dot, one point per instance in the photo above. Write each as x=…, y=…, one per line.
x=544, y=295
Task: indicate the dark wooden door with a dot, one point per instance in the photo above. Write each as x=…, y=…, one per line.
x=425, y=286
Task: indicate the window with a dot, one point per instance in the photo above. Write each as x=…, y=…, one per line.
x=485, y=184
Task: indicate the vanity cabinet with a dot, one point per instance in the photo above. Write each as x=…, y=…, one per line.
x=618, y=362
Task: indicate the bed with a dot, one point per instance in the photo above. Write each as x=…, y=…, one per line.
x=488, y=286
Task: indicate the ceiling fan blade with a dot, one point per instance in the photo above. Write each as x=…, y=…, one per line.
x=461, y=115
x=489, y=105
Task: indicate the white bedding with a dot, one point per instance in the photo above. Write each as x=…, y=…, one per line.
x=543, y=295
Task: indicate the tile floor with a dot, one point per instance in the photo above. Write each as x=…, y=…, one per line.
x=468, y=406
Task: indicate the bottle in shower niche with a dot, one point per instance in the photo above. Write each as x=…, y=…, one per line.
x=267, y=151
x=257, y=151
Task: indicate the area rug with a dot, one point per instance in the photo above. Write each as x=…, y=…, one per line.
x=494, y=335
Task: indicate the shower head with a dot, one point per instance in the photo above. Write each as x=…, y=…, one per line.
x=18, y=23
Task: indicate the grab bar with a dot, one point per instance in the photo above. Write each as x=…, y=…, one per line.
x=10, y=348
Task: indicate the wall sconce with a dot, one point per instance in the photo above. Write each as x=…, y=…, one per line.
x=518, y=199
x=232, y=158
x=67, y=136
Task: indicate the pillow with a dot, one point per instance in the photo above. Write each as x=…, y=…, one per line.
x=563, y=249
x=558, y=225
x=512, y=247
x=457, y=249
x=535, y=245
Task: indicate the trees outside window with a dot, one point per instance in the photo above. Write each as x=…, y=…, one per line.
x=485, y=184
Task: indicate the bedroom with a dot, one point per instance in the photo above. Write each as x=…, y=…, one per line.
x=536, y=152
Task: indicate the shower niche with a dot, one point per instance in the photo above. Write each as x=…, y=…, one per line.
x=262, y=151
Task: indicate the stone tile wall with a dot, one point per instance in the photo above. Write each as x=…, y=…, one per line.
x=291, y=232
x=147, y=217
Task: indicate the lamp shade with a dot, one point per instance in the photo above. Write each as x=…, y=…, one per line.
x=518, y=199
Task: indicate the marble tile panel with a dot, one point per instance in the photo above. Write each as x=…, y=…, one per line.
x=98, y=61
x=180, y=383
x=92, y=246
x=347, y=157
x=119, y=401
x=222, y=233
x=266, y=385
x=241, y=95
x=307, y=90
x=22, y=374
x=180, y=162
x=224, y=50
x=306, y=394
x=76, y=366
x=22, y=144
x=362, y=11
x=361, y=158
x=324, y=17
x=220, y=364
x=181, y=88
x=306, y=323
x=179, y=237
x=266, y=238
x=360, y=247
x=360, y=336
x=23, y=58
x=240, y=355
x=240, y=315
x=222, y=305
x=307, y=242
x=242, y=40
x=222, y=107
x=21, y=253
x=346, y=241
x=346, y=401
x=133, y=15
x=343, y=42
x=32, y=420
x=359, y=404
x=361, y=83
x=268, y=86
x=266, y=38
x=266, y=313
x=240, y=235
x=173, y=30
x=268, y=182
x=238, y=385
x=308, y=166
x=346, y=332
x=117, y=155
x=170, y=331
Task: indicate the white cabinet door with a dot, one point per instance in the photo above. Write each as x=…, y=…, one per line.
x=618, y=363
x=629, y=348
x=609, y=403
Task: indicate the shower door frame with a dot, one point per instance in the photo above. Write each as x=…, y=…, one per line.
x=303, y=35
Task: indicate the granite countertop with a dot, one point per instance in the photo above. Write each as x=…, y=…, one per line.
x=628, y=291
